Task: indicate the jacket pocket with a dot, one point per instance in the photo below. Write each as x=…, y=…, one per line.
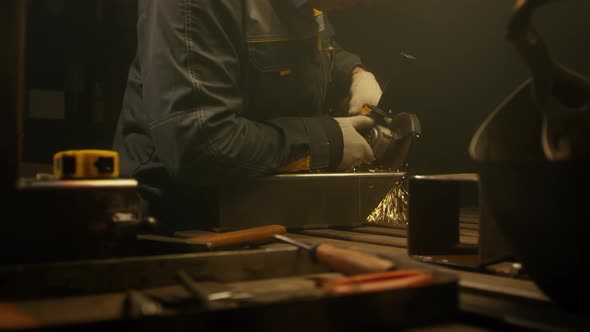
x=282, y=80
x=272, y=56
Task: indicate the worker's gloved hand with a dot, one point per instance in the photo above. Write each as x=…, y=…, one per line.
x=356, y=149
x=364, y=90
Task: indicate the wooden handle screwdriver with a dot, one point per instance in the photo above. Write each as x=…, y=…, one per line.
x=220, y=240
x=343, y=260
x=240, y=237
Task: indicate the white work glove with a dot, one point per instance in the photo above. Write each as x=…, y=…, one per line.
x=356, y=150
x=364, y=90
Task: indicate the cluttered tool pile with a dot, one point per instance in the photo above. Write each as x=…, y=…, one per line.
x=260, y=274
x=391, y=268
x=269, y=277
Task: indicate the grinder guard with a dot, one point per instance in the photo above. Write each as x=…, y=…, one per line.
x=391, y=139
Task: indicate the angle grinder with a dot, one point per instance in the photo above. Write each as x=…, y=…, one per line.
x=392, y=137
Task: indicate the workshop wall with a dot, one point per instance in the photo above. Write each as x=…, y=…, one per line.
x=11, y=96
x=79, y=52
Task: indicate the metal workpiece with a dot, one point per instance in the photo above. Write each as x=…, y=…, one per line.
x=303, y=201
x=435, y=226
x=434, y=208
x=393, y=208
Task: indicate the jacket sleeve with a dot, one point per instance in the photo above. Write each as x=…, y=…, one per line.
x=344, y=63
x=190, y=53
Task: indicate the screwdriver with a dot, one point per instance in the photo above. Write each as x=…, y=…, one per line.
x=343, y=260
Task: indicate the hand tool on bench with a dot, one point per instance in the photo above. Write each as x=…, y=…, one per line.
x=205, y=299
x=343, y=260
x=12, y=319
x=221, y=240
x=137, y=304
x=374, y=282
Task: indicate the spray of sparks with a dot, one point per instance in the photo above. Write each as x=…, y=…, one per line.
x=393, y=209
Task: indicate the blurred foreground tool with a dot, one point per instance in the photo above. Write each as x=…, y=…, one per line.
x=138, y=304
x=86, y=164
x=374, y=282
x=205, y=299
x=11, y=319
x=345, y=261
x=221, y=240
x=559, y=93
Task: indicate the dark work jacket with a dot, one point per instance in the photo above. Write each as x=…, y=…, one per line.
x=226, y=89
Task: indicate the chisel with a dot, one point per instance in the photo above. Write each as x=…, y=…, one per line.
x=343, y=260
x=220, y=240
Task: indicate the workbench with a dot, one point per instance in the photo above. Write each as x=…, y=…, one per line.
x=62, y=296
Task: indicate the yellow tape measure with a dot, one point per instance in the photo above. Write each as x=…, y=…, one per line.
x=86, y=164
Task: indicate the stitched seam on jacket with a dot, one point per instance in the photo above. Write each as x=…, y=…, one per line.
x=192, y=74
x=143, y=163
x=171, y=117
x=311, y=146
x=213, y=150
x=188, y=43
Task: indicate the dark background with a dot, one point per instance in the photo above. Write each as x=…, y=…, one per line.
x=464, y=66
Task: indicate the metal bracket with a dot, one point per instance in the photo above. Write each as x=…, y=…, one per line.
x=435, y=203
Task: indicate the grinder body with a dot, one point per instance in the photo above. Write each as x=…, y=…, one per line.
x=392, y=137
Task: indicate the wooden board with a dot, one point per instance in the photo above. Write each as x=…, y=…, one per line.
x=381, y=231
x=358, y=237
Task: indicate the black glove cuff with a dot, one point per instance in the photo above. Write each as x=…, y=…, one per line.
x=334, y=134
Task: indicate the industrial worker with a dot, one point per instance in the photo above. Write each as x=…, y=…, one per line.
x=226, y=89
